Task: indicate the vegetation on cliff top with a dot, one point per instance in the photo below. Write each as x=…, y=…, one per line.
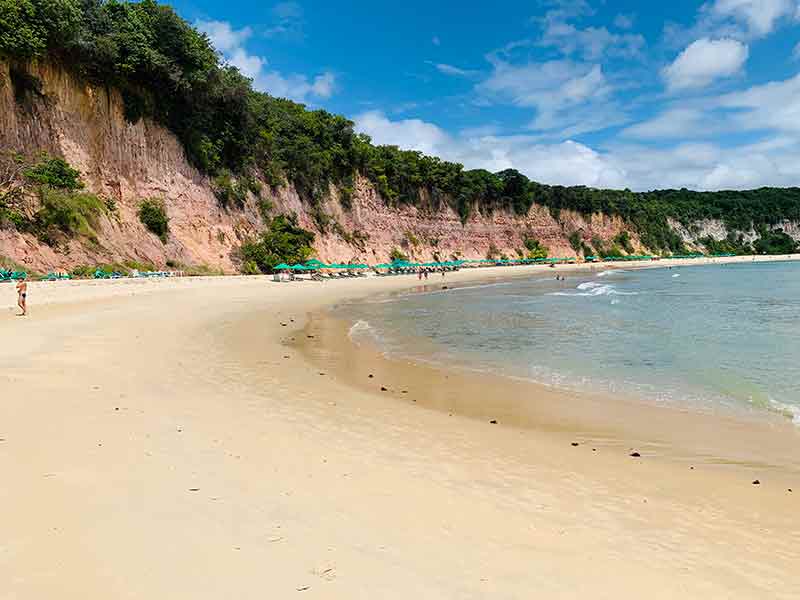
x=168, y=71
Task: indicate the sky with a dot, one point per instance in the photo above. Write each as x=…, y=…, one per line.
x=604, y=93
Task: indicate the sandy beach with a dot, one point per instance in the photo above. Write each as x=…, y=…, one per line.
x=186, y=438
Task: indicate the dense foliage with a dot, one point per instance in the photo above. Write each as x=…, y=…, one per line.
x=169, y=71
x=282, y=241
x=153, y=216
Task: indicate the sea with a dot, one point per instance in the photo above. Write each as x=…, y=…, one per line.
x=705, y=337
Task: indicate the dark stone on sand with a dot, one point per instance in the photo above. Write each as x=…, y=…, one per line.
x=311, y=337
x=286, y=356
x=756, y=482
x=790, y=490
x=194, y=489
x=635, y=454
x=383, y=389
x=404, y=392
x=493, y=422
x=575, y=444
x=444, y=287
x=370, y=375
x=116, y=408
x=691, y=468
x=594, y=449
x=322, y=374
x=283, y=324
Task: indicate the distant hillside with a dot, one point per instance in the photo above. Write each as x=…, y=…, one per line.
x=241, y=156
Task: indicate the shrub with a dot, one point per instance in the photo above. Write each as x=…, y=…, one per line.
x=575, y=241
x=492, y=252
x=54, y=172
x=282, y=241
x=154, y=217
x=397, y=255
x=624, y=239
x=229, y=191
x=67, y=213
x=535, y=248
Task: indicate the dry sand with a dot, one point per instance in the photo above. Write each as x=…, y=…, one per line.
x=156, y=442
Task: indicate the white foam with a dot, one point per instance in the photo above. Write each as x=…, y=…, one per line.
x=592, y=288
x=361, y=327
x=677, y=275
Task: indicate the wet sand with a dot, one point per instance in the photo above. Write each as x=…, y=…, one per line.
x=169, y=439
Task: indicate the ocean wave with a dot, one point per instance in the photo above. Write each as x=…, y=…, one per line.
x=592, y=288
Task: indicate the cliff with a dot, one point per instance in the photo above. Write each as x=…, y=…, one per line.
x=45, y=108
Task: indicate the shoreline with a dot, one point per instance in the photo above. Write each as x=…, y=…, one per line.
x=150, y=430
x=754, y=442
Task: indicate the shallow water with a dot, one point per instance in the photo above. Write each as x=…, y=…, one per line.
x=706, y=336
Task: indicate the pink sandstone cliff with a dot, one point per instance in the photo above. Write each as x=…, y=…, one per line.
x=129, y=162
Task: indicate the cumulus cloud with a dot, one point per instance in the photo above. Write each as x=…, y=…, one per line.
x=702, y=166
x=760, y=16
x=704, y=61
x=568, y=162
x=223, y=37
x=231, y=43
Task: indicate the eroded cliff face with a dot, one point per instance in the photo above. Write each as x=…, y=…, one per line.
x=128, y=162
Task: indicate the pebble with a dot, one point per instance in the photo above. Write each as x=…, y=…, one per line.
x=575, y=444
x=756, y=482
x=635, y=454
x=493, y=422
x=383, y=389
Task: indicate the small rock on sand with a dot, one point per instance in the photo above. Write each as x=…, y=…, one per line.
x=635, y=454
x=756, y=482
x=383, y=389
x=370, y=375
x=575, y=444
x=493, y=422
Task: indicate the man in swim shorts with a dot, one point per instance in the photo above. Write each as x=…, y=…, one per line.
x=22, y=291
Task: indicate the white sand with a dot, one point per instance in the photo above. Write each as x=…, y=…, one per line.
x=118, y=399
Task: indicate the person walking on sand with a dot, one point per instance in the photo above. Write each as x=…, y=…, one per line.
x=22, y=292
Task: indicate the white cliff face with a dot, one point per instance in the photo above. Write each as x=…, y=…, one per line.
x=129, y=162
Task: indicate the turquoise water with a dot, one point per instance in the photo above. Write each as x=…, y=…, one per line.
x=706, y=336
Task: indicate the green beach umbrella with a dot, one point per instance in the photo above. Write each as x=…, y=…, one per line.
x=282, y=266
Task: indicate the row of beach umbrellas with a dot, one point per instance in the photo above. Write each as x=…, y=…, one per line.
x=315, y=265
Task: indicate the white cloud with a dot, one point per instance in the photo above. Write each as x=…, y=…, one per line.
x=223, y=37
x=411, y=134
x=703, y=166
x=773, y=106
x=231, y=43
x=593, y=43
x=705, y=61
x=567, y=162
x=673, y=123
x=564, y=93
x=760, y=16
x=743, y=20
x=452, y=70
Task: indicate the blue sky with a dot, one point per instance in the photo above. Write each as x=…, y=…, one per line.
x=614, y=93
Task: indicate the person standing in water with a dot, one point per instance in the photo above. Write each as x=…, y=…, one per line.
x=22, y=296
